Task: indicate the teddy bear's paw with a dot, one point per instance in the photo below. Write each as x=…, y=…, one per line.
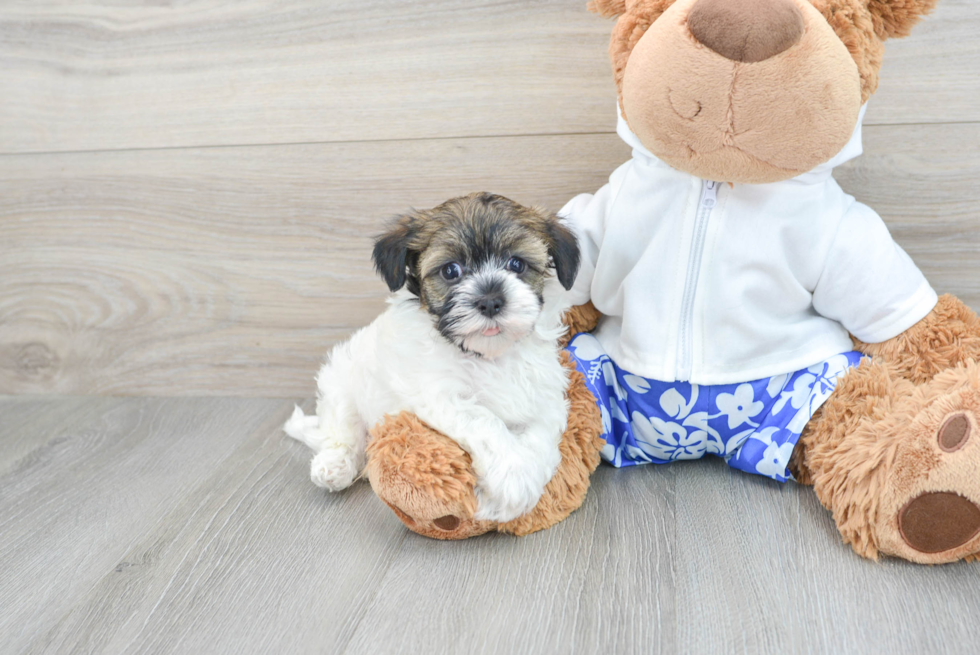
x=334, y=469
x=931, y=506
x=425, y=478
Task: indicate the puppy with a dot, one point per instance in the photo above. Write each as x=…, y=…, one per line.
x=469, y=345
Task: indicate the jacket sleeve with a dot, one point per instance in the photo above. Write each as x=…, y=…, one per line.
x=869, y=284
x=585, y=215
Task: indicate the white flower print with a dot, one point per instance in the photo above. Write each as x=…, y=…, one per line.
x=776, y=384
x=735, y=442
x=798, y=395
x=636, y=383
x=665, y=439
x=606, y=420
x=821, y=380
x=830, y=371
x=618, y=414
x=775, y=459
x=587, y=347
x=713, y=443
x=688, y=436
x=740, y=406
x=609, y=375
x=637, y=454
x=673, y=403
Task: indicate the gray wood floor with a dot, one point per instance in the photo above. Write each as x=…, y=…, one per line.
x=184, y=525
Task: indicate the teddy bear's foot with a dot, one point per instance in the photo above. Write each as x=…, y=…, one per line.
x=898, y=464
x=930, y=505
x=425, y=478
x=428, y=480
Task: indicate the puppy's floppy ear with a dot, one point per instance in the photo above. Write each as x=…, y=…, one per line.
x=396, y=252
x=895, y=18
x=563, y=249
x=607, y=8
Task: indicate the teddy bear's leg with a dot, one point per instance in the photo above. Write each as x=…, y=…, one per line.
x=929, y=506
x=896, y=463
x=428, y=480
x=425, y=478
x=832, y=451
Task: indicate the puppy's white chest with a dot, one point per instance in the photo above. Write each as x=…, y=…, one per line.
x=521, y=389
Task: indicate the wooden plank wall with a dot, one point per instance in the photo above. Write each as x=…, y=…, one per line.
x=188, y=190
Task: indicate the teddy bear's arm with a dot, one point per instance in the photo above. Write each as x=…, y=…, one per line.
x=581, y=318
x=949, y=335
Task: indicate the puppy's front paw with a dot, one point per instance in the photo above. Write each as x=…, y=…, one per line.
x=511, y=487
x=333, y=469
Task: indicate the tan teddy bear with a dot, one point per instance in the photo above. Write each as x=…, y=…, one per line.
x=724, y=253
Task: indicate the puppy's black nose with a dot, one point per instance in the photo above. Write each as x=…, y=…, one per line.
x=490, y=304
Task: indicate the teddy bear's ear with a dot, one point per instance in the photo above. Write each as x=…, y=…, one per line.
x=895, y=18
x=607, y=8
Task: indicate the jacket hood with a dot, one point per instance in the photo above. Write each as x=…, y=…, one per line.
x=852, y=149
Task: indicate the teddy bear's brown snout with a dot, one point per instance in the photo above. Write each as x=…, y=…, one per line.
x=746, y=91
x=747, y=31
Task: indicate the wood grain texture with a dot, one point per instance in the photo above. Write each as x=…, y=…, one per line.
x=94, y=75
x=227, y=270
x=254, y=560
x=72, y=507
x=30, y=422
x=190, y=526
x=931, y=76
x=231, y=271
x=765, y=568
x=599, y=582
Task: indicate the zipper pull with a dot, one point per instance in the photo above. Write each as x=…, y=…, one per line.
x=709, y=195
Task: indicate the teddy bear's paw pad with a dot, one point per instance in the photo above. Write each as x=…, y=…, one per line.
x=955, y=433
x=449, y=527
x=938, y=521
x=447, y=523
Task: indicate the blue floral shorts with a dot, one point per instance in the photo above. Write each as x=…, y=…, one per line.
x=753, y=425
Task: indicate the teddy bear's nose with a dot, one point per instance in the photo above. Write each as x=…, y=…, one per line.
x=746, y=30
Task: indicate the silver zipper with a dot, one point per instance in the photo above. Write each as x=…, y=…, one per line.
x=685, y=340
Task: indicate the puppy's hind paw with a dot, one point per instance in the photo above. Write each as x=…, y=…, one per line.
x=333, y=469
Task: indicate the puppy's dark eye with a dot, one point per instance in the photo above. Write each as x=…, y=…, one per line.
x=517, y=265
x=451, y=271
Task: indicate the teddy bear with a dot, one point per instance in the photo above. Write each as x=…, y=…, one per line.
x=734, y=301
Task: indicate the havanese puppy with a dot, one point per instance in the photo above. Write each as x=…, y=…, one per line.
x=469, y=345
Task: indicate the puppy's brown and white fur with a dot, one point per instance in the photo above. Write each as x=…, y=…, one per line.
x=469, y=345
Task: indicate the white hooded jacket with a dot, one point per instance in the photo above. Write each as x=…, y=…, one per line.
x=718, y=284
